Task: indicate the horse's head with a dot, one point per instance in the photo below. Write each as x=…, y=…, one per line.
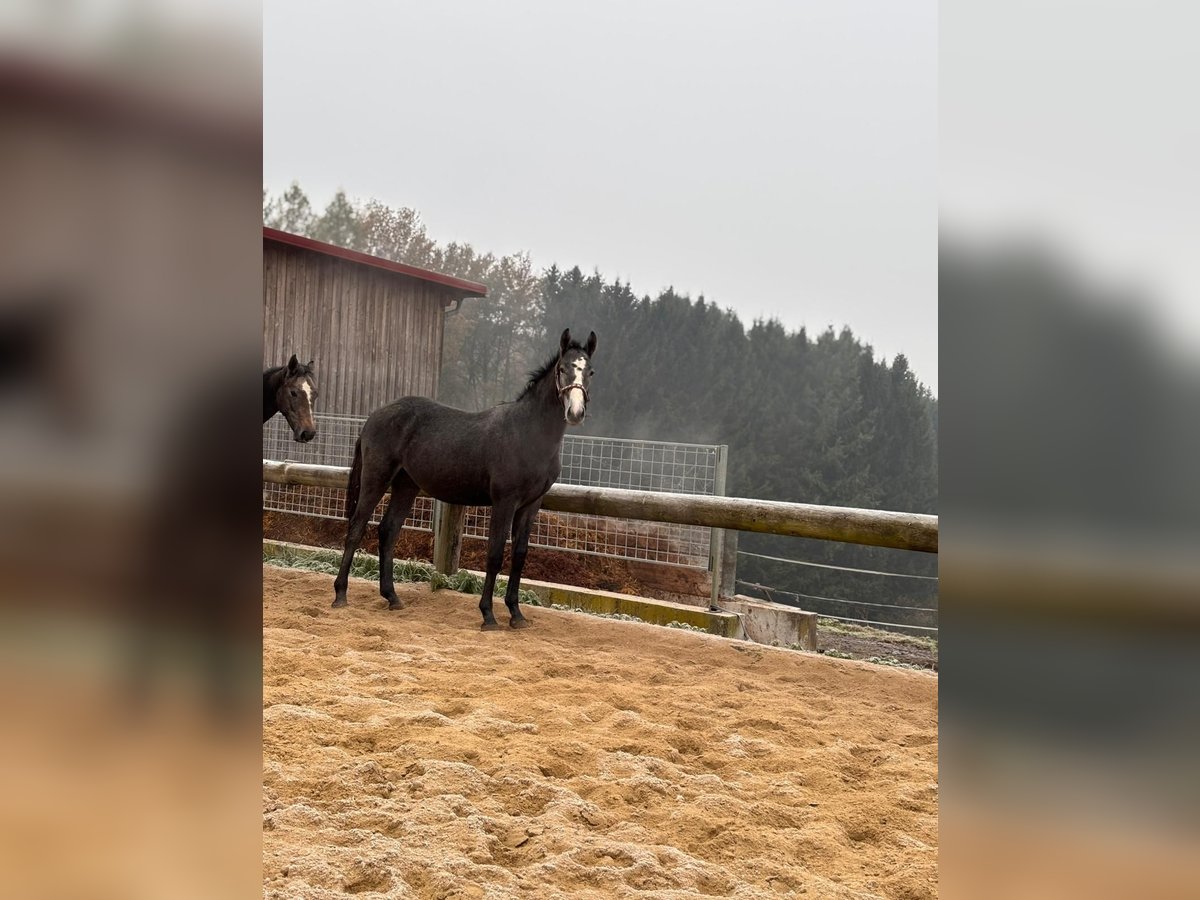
x=572, y=375
x=295, y=396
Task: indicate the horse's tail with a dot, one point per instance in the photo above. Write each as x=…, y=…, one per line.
x=355, y=480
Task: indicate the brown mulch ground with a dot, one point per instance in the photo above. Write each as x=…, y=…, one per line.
x=409, y=754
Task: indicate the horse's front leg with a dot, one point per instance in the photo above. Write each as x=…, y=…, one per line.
x=522, y=524
x=502, y=516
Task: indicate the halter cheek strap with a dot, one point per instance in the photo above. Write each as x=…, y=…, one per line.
x=562, y=389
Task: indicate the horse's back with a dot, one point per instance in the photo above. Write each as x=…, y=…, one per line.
x=420, y=414
x=442, y=448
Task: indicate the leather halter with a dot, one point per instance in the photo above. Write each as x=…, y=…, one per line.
x=562, y=389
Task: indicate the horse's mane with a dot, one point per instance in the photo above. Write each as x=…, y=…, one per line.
x=301, y=369
x=542, y=371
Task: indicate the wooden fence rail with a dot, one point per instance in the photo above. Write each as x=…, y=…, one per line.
x=902, y=531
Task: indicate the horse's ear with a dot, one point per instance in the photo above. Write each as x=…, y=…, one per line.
x=293, y=363
x=308, y=365
x=564, y=342
x=591, y=343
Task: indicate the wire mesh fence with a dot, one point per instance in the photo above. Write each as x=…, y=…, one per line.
x=639, y=465
x=591, y=461
x=333, y=446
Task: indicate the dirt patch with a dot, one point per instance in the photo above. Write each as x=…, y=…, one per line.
x=877, y=644
x=410, y=754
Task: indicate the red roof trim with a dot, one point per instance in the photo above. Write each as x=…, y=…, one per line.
x=470, y=288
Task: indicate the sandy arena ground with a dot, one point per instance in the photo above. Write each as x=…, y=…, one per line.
x=408, y=754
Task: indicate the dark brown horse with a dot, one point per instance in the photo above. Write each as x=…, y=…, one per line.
x=505, y=457
x=292, y=390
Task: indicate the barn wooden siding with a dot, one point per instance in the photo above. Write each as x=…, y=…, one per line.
x=375, y=335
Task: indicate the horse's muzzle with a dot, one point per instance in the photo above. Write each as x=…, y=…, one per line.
x=303, y=437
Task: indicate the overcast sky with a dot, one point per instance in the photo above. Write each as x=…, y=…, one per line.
x=1078, y=126
x=778, y=157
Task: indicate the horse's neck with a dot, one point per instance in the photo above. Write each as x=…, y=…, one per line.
x=543, y=406
x=270, y=386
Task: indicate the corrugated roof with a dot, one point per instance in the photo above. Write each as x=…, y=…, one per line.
x=461, y=285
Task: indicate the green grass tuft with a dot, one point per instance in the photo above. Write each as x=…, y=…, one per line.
x=879, y=634
x=685, y=626
x=895, y=663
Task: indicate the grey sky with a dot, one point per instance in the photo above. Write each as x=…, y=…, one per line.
x=780, y=158
x=1079, y=126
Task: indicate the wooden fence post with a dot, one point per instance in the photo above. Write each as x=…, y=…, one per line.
x=729, y=567
x=716, y=547
x=447, y=536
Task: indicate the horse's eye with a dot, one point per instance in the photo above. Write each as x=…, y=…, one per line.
x=591, y=372
x=294, y=392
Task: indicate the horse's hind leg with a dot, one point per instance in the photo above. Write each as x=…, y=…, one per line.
x=375, y=478
x=497, y=534
x=522, y=524
x=404, y=492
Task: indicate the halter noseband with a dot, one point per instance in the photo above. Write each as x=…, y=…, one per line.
x=562, y=389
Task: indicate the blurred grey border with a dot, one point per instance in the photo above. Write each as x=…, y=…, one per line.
x=1069, y=316
x=130, y=322
x=130, y=315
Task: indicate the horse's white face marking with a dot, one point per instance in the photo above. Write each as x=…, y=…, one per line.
x=575, y=403
x=296, y=400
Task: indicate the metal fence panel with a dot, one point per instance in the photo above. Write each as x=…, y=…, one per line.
x=333, y=446
x=592, y=461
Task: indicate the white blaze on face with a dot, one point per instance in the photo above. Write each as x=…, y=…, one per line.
x=308, y=391
x=575, y=399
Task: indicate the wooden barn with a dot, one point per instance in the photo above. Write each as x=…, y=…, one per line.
x=374, y=327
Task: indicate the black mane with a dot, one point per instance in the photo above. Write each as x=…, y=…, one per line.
x=542, y=371
x=301, y=369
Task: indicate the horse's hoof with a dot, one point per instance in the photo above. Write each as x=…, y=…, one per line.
x=340, y=601
x=519, y=623
x=490, y=626
x=396, y=604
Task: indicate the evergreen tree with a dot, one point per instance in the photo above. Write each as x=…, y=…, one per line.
x=340, y=224
x=290, y=212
